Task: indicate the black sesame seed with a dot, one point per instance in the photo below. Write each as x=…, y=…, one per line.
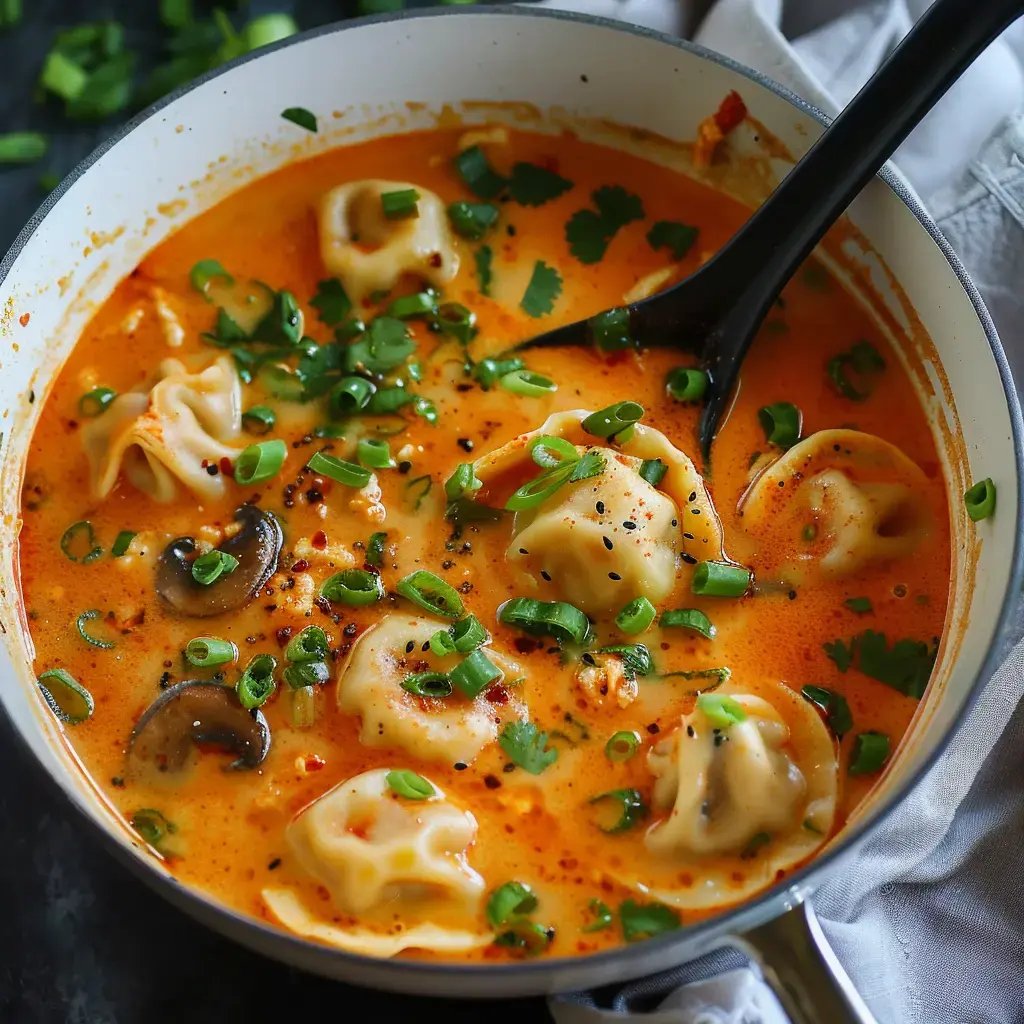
x=675, y=522
x=600, y=508
x=546, y=575
x=510, y=228
x=411, y=646
x=212, y=469
x=614, y=576
x=688, y=536
x=792, y=595
x=607, y=543
x=492, y=782
x=693, y=496
x=629, y=525
x=460, y=766
x=523, y=551
x=465, y=444
x=509, y=766
x=690, y=731
x=695, y=511
x=275, y=863
x=424, y=647
x=689, y=559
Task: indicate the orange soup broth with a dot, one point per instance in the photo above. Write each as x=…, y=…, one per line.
x=229, y=825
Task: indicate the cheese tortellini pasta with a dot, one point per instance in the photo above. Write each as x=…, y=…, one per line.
x=445, y=731
x=163, y=436
x=604, y=540
x=854, y=498
x=369, y=252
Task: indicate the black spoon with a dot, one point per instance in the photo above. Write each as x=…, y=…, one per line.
x=717, y=310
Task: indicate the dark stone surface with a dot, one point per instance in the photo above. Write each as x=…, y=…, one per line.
x=83, y=941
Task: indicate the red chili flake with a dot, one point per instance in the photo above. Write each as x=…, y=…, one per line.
x=204, y=463
x=730, y=113
x=227, y=468
x=435, y=260
x=24, y=319
x=300, y=566
x=314, y=763
x=497, y=694
x=319, y=540
x=284, y=634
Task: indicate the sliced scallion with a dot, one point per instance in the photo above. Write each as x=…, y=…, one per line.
x=781, y=423
x=259, y=419
x=347, y=473
x=603, y=917
x=721, y=710
x=303, y=707
x=78, y=542
x=80, y=622
x=838, y=716
x=410, y=785
x=565, y=622
x=301, y=116
x=631, y=809
x=92, y=403
x=350, y=395
x=441, y=644
x=212, y=565
x=408, y=306
x=472, y=220
x=205, y=271
x=489, y=372
x=306, y=673
x=980, y=500
x=622, y=746
x=653, y=471
x=475, y=674
x=689, y=618
x=636, y=617
x=458, y=321
x=463, y=483
x=428, y=684
x=476, y=172
x=375, y=549
x=355, y=587
x=686, y=384
x=509, y=901
x=257, y=682
x=122, y=542
x=309, y=645
x=468, y=634
x=375, y=453
x=611, y=330
x=870, y=750
x=210, y=651
x=551, y=452
x=22, y=147
x=152, y=825
x=431, y=593
x=527, y=383
x=260, y=462
x=605, y=423
x=400, y=204
x=720, y=579
x=66, y=697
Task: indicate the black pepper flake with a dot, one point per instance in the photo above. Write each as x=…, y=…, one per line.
x=792, y=595
x=465, y=444
x=835, y=447
x=614, y=576
x=351, y=629
x=508, y=767
x=404, y=467
x=411, y=646
x=165, y=680
x=463, y=387
x=782, y=483
x=719, y=739
x=314, y=496
x=447, y=564
x=274, y=864
x=117, y=782
x=546, y=575
x=690, y=731
x=167, y=664
x=607, y=543
x=654, y=728
x=629, y=525
x=465, y=587
x=510, y=228
x=492, y=782
x=600, y=508
x=689, y=559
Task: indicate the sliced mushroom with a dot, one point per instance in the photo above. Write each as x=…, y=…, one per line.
x=198, y=712
x=257, y=547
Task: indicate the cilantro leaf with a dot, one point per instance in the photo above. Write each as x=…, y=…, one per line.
x=525, y=745
x=484, y=259
x=589, y=233
x=841, y=654
x=860, y=605
x=906, y=667
x=672, y=235
x=833, y=705
x=532, y=185
x=331, y=302
x=592, y=464
x=543, y=290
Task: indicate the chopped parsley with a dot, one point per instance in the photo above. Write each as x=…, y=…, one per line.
x=301, y=116
x=532, y=185
x=527, y=747
x=589, y=232
x=672, y=235
x=484, y=259
x=331, y=302
x=906, y=666
x=543, y=290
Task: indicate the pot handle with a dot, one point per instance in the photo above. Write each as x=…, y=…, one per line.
x=799, y=966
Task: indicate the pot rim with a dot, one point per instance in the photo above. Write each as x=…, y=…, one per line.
x=787, y=892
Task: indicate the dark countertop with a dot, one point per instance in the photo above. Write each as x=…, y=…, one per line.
x=82, y=940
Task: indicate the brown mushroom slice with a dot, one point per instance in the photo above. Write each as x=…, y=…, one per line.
x=193, y=712
x=257, y=546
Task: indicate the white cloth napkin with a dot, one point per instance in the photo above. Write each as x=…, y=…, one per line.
x=929, y=921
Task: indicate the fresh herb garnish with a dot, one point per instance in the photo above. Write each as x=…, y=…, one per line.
x=532, y=185
x=672, y=235
x=476, y=172
x=484, y=260
x=854, y=373
x=472, y=220
x=301, y=116
x=631, y=809
x=331, y=302
x=603, y=917
x=22, y=147
x=860, y=605
x=837, y=712
x=527, y=747
x=906, y=666
x=410, y=785
x=645, y=920
x=385, y=345
x=543, y=290
x=589, y=232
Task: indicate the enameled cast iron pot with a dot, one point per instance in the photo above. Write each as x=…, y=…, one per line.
x=400, y=72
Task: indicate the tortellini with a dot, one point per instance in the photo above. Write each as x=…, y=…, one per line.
x=602, y=541
x=851, y=498
x=746, y=800
x=163, y=436
x=369, y=252
x=447, y=731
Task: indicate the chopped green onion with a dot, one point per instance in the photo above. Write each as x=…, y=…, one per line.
x=636, y=617
x=309, y=645
x=653, y=471
x=350, y=395
x=428, y=684
x=689, y=618
x=385, y=346
x=152, y=826
x=300, y=116
x=720, y=579
x=375, y=549
x=78, y=537
x=622, y=746
x=347, y=473
x=645, y=920
x=349, y=330
x=63, y=77
x=282, y=382
x=425, y=407
x=457, y=320
x=636, y=658
x=870, y=750
x=603, y=917
x=472, y=220
x=631, y=808
x=605, y=423
x=355, y=587
x=375, y=453
x=981, y=500
x=257, y=682
x=88, y=616
x=432, y=593
x=557, y=619
x=757, y=843
x=475, y=674
x=484, y=260
x=611, y=330
x=408, y=306
x=509, y=901
x=206, y=271
x=22, y=147
x=281, y=324
x=441, y=643
x=551, y=452
x=838, y=716
x=260, y=419
x=536, y=491
x=864, y=361
x=489, y=372
x=306, y=673
x=401, y=204
x=92, y=403
x=410, y=785
x=66, y=697
x=686, y=384
x=781, y=423
x=721, y=710
x=303, y=707
x=523, y=935
x=260, y=462
x=480, y=178
x=10, y=13
x=527, y=383
x=121, y=543
x=468, y=634
x=209, y=567
x=463, y=483
x=210, y=651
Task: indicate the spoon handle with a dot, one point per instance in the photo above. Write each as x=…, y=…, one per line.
x=786, y=228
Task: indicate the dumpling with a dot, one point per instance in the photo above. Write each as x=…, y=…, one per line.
x=367, y=845
x=446, y=730
x=163, y=436
x=369, y=252
x=610, y=538
x=744, y=801
x=840, y=500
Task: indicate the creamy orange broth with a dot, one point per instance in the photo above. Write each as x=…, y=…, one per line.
x=539, y=829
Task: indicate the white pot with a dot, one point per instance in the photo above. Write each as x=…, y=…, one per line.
x=183, y=155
